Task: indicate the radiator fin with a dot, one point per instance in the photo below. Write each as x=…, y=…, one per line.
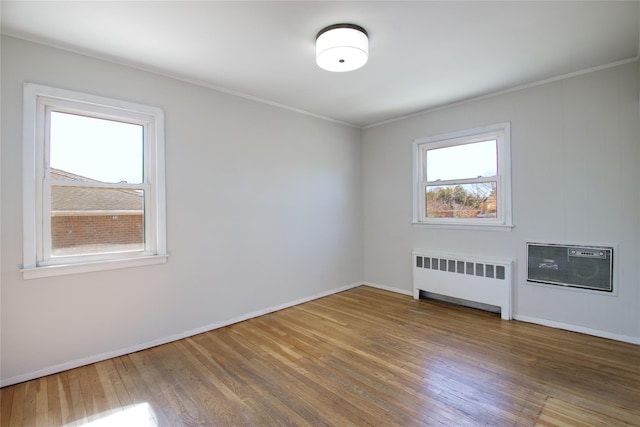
x=456, y=266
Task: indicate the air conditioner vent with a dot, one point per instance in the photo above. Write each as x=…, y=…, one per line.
x=587, y=267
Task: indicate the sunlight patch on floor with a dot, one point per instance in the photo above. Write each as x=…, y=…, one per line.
x=140, y=415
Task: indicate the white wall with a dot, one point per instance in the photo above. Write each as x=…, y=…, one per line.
x=575, y=178
x=263, y=209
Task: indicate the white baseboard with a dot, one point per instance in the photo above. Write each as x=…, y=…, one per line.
x=389, y=288
x=121, y=352
x=580, y=329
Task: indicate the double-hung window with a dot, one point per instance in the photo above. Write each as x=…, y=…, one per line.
x=463, y=179
x=93, y=183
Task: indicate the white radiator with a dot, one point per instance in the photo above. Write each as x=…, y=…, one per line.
x=487, y=281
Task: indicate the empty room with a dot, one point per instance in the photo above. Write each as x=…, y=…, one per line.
x=267, y=213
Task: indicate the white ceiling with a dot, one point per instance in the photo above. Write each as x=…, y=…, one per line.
x=422, y=54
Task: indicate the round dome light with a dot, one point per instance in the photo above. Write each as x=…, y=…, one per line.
x=342, y=47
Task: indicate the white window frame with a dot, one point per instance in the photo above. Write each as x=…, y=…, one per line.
x=502, y=133
x=39, y=102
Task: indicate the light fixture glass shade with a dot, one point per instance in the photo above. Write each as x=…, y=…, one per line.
x=342, y=47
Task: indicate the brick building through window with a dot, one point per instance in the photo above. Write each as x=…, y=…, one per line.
x=83, y=219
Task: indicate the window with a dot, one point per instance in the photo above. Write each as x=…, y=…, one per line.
x=463, y=179
x=93, y=183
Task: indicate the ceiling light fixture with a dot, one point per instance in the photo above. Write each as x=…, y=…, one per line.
x=342, y=47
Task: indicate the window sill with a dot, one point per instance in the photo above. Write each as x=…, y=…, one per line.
x=87, y=267
x=462, y=226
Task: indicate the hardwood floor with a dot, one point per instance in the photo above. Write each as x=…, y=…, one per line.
x=360, y=357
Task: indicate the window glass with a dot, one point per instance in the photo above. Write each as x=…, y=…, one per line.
x=86, y=221
x=476, y=200
x=98, y=149
x=462, y=161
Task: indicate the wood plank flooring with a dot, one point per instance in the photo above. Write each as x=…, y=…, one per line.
x=361, y=357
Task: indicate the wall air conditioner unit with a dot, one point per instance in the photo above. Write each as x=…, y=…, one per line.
x=587, y=267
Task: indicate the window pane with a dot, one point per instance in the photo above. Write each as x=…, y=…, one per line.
x=461, y=201
x=97, y=149
x=462, y=161
x=96, y=220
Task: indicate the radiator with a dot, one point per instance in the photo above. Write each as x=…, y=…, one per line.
x=473, y=279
